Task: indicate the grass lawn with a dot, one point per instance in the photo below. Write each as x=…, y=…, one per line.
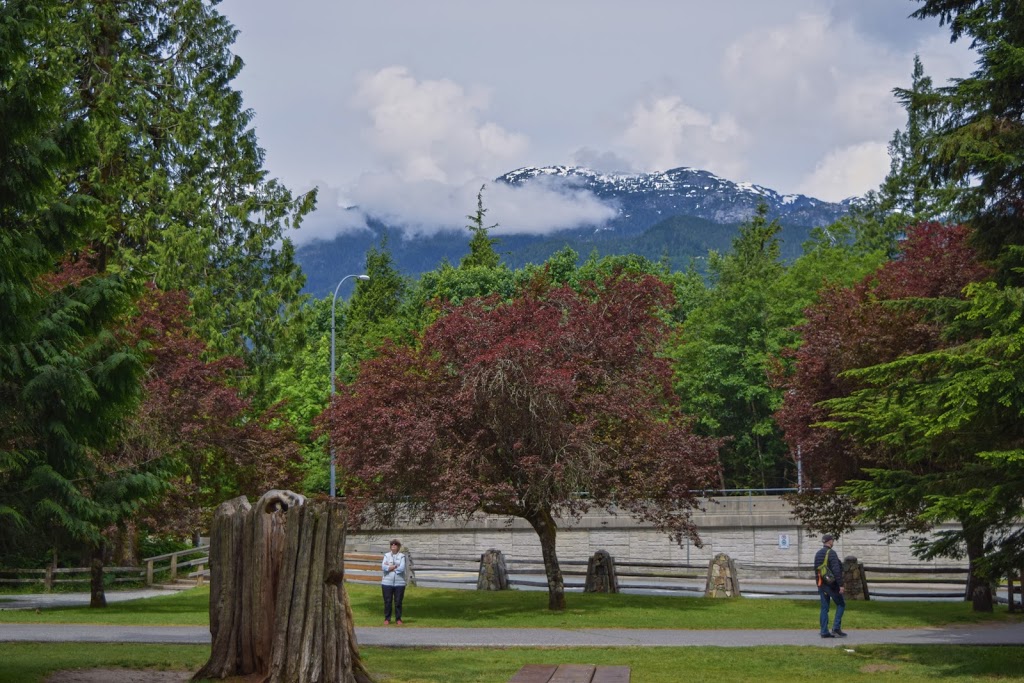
x=437, y=607
x=30, y=662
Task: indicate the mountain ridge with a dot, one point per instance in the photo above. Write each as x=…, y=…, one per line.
x=677, y=214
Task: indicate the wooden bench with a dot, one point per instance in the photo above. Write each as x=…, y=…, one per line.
x=571, y=673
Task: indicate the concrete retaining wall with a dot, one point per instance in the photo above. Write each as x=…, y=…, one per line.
x=753, y=530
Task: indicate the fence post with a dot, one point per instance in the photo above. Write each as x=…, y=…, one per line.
x=149, y=572
x=48, y=579
x=174, y=566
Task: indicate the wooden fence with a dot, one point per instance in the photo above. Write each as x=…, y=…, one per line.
x=171, y=565
x=362, y=566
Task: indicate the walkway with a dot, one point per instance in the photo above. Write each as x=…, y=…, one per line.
x=406, y=636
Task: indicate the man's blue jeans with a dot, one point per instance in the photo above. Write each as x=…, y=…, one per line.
x=832, y=593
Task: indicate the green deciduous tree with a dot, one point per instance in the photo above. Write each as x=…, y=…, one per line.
x=725, y=352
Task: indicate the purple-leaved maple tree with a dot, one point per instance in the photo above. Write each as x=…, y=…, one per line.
x=540, y=407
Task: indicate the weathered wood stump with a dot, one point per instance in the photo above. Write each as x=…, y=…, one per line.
x=723, y=579
x=278, y=606
x=601, y=576
x=855, y=580
x=493, y=575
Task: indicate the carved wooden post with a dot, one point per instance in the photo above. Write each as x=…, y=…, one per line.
x=493, y=575
x=601, y=576
x=278, y=606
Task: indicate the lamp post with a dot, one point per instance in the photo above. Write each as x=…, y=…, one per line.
x=334, y=305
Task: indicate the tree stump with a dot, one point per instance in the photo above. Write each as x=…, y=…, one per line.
x=723, y=579
x=493, y=575
x=601, y=576
x=278, y=606
x=855, y=580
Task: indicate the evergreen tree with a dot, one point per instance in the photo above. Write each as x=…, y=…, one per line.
x=978, y=141
x=909, y=195
x=481, y=246
x=66, y=380
x=182, y=197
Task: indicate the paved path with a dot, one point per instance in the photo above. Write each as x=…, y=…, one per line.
x=406, y=636
x=47, y=600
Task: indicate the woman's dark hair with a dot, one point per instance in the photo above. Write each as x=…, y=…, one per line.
x=395, y=541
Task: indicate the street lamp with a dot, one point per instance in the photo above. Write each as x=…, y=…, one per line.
x=334, y=304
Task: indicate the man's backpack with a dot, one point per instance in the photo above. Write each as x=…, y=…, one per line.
x=825, y=575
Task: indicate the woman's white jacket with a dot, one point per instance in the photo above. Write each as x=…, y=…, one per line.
x=396, y=577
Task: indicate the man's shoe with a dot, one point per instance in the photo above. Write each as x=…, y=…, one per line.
x=387, y=622
x=827, y=635
x=399, y=623
x=838, y=633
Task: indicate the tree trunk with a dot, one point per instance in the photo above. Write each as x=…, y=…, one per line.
x=97, y=595
x=544, y=524
x=126, y=545
x=979, y=587
x=278, y=606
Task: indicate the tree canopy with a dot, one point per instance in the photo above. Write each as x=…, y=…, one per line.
x=544, y=405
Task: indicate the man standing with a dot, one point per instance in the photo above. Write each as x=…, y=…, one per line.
x=393, y=581
x=830, y=586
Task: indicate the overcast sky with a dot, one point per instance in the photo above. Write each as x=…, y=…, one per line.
x=405, y=107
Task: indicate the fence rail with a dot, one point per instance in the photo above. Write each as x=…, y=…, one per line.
x=458, y=571
x=196, y=569
x=461, y=570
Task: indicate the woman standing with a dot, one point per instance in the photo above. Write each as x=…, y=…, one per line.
x=393, y=582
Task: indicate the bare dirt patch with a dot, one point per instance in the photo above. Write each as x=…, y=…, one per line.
x=118, y=676
x=878, y=668
x=134, y=676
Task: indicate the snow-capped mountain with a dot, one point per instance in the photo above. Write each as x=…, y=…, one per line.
x=644, y=199
x=678, y=214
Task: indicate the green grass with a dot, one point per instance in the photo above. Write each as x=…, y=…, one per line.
x=528, y=609
x=188, y=608
x=435, y=607
x=31, y=662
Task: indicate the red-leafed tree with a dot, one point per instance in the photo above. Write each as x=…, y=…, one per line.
x=543, y=406
x=873, y=322
x=193, y=414
x=863, y=432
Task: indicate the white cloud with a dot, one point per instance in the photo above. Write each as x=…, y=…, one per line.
x=429, y=206
x=439, y=150
x=666, y=133
x=847, y=172
x=333, y=216
x=432, y=130
x=781, y=94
